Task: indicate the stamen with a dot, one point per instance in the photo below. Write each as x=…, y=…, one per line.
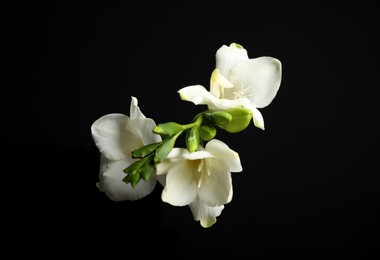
x=200, y=180
x=241, y=93
x=221, y=92
x=200, y=166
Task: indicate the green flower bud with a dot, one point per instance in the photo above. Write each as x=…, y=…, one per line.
x=206, y=133
x=134, y=167
x=165, y=148
x=241, y=117
x=140, y=169
x=133, y=179
x=217, y=117
x=169, y=129
x=145, y=150
x=221, y=117
x=147, y=169
x=192, y=139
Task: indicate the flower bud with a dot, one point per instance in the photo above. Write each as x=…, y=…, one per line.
x=147, y=169
x=133, y=179
x=170, y=129
x=206, y=133
x=145, y=150
x=192, y=139
x=241, y=117
x=221, y=117
x=217, y=117
x=140, y=169
x=165, y=148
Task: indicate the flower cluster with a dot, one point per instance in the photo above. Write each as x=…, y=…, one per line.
x=134, y=148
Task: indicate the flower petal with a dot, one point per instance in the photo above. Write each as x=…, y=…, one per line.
x=181, y=186
x=103, y=167
x=221, y=150
x=260, y=78
x=206, y=214
x=197, y=155
x=111, y=137
x=257, y=118
x=135, y=111
x=227, y=57
x=196, y=94
x=117, y=190
x=142, y=128
x=216, y=103
x=200, y=96
x=164, y=167
x=215, y=188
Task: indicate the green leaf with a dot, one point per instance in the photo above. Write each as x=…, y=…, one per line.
x=145, y=151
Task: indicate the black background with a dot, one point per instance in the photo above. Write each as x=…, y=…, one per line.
x=310, y=182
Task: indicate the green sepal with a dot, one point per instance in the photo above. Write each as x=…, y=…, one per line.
x=241, y=117
x=145, y=151
x=165, y=148
x=192, y=139
x=206, y=133
x=169, y=129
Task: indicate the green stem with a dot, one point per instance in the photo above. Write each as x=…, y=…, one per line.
x=198, y=122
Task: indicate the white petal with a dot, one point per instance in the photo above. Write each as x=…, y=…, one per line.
x=103, y=167
x=257, y=118
x=200, y=96
x=221, y=150
x=196, y=94
x=117, y=190
x=230, y=195
x=176, y=153
x=162, y=180
x=111, y=137
x=197, y=155
x=206, y=214
x=217, y=183
x=216, y=103
x=181, y=186
x=142, y=128
x=164, y=167
x=135, y=111
x=260, y=77
x=227, y=57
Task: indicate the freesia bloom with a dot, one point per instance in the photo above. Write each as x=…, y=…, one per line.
x=116, y=136
x=238, y=81
x=200, y=179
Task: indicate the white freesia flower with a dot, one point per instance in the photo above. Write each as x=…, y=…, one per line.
x=116, y=136
x=238, y=81
x=200, y=179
